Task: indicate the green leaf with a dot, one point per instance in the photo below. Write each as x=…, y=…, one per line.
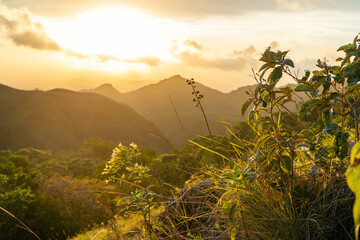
x=306, y=77
x=272, y=150
x=288, y=62
x=265, y=96
x=275, y=76
x=262, y=120
x=346, y=47
x=327, y=118
x=207, y=149
x=353, y=181
x=285, y=164
x=264, y=138
x=278, y=99
x=319, y=79
x=306, y=106
x=355, y=40
x=266, y=66
x=353, y=52
x=246, y=105
x=331, y=129
x=232, y=213
x=352, y=81
x=253, y=112
x=307, y=134
x=341, y=145
x=304, y=88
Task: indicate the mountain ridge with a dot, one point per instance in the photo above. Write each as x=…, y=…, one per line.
x=169, y=104
x=63, y=119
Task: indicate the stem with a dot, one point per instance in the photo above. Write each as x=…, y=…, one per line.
x=198, y=104
x=23, y=224
x=177, y=115
x=342, y=108
x=242, y=215
x=291, y=153
x=357, y=122
x=293, y=116
x=288, y=72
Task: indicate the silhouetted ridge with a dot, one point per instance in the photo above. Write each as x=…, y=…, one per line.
x=63, y=119
x=107, y=87
x=157, y=102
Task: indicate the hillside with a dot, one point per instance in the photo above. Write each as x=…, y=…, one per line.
x=63, y=119
x=153, y=102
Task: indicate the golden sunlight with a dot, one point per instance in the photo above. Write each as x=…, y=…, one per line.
x=114, y=33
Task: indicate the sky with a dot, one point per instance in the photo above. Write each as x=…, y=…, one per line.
x=80, y=44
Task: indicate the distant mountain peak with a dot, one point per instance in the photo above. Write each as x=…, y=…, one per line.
x=176, y=79
x=106, y=86
x=106, y=89
x=177, y=76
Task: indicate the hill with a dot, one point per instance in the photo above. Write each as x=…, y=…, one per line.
x=106, y=90
x=157, y=102
x=63, y=119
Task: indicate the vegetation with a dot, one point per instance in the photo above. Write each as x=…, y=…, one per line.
x=55, y=195
x=279, y=181
x=281, y=174
x=170, y=100
x=62, y=119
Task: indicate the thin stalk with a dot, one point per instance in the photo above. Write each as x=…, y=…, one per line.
x=197, y=99
x=23, y=224
x=242, y=215
x=177, y=115
x=280, y=139
x=342, y=108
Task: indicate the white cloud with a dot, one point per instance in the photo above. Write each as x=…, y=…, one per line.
x=20, y=28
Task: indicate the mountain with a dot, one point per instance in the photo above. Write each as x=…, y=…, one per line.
x=63, y=119
x=163, y=101
x=106, y=90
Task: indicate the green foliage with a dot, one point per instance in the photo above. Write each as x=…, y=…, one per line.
x=278, y=175
x=53, y=206
x=284, y=143
x=123, y=165
x=353, y=180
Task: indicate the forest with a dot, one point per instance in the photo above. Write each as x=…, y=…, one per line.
x=288, y=171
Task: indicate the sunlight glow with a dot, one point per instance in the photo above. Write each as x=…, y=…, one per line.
x=121, y=34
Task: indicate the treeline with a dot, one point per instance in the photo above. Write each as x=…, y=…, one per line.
x=58, y=195
x=55, y=195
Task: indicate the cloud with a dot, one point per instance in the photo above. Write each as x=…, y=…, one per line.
x=247, y=52
x=193, y=44
x=185, y=9
x=105, y=58
x=77, y=55
x=274, y=44
x=196, y=60
x=291, y=5
x=151, y=61
x=34, y=40
x=23, y=31
x=302, y=5
x=173, y=8
x=102, y=58
x=235, y=61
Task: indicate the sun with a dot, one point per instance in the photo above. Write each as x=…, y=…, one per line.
x=116, y=31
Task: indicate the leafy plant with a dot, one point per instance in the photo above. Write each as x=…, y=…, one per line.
x=140, y=201
x=353, y=180
x=124, y=167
